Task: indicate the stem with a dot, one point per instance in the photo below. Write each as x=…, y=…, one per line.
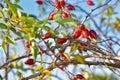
x=7, y=58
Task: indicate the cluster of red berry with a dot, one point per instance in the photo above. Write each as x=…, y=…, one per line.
x=60, y=5
x=82, y=32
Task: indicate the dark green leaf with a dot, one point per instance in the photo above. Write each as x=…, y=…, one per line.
x=10, y=39
x=3, y=26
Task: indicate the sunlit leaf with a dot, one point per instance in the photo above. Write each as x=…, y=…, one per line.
x=67, y=56
x=38, y=68
x=79, y=58
x=56, y=16
x=67, y=21
x=34, y=50
x=74, y=48
x=4, y=46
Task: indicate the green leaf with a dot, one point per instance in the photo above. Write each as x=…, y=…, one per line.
x=74, y=48
x=109, y=11
x=10, y=39
x=4, y=46
x=12, y=8
x=14, y=31
x=48, y=29
x=73, y=15
x=2, y=15
x=19, y=74
x=3, y=26
x=1, y=77
x=18, y=6
x=79, y=58
x=102, y=20
x=34, y=50
x=67, y=21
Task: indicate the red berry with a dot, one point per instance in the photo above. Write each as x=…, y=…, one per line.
x=40, y=2
x=51, y=17
x=70, y=7
x=84, y=33
x=61, y=66
x=27, y=44
x=62, y=3
x=57, y=3
x=81, y=27
x=65, y=15
x=62, y=40
x=79, y=76
x=77, y=34
x=64, y=57
x=93, y=34
x=29, y=61
x=47, y=35
x=82, y=44
x=90, y=3
x=59, y=6
x=109, y=43
x=75, y=78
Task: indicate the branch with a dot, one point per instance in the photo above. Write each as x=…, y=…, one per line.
x=94, y=10
x=66, y=63
x=18, y=58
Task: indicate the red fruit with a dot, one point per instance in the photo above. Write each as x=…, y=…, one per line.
x=74, y=78
x=70, y=7
x=90, y=3
x=29, y=61
x=62, y=3
x=51, y=17
x=84, y=33
x=79, y=76
x=64, y=57
x=47, y=35
x=61, y=66
x=93, y=34
x=65, y=15
x=40, y=2
x=82, y=44
x=81, y=27
x=58, y=5
x=62, y=40
x=27, y=44
x=77, y=34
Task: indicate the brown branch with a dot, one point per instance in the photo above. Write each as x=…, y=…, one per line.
x=65, y=63
x=18, y=58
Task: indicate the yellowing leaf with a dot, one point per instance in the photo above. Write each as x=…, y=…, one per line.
x=54, y=64
x=79, y=58
x=13, y=56
x=67, y=56
x=56, y=16
x=46, y=71
x=38, y=68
